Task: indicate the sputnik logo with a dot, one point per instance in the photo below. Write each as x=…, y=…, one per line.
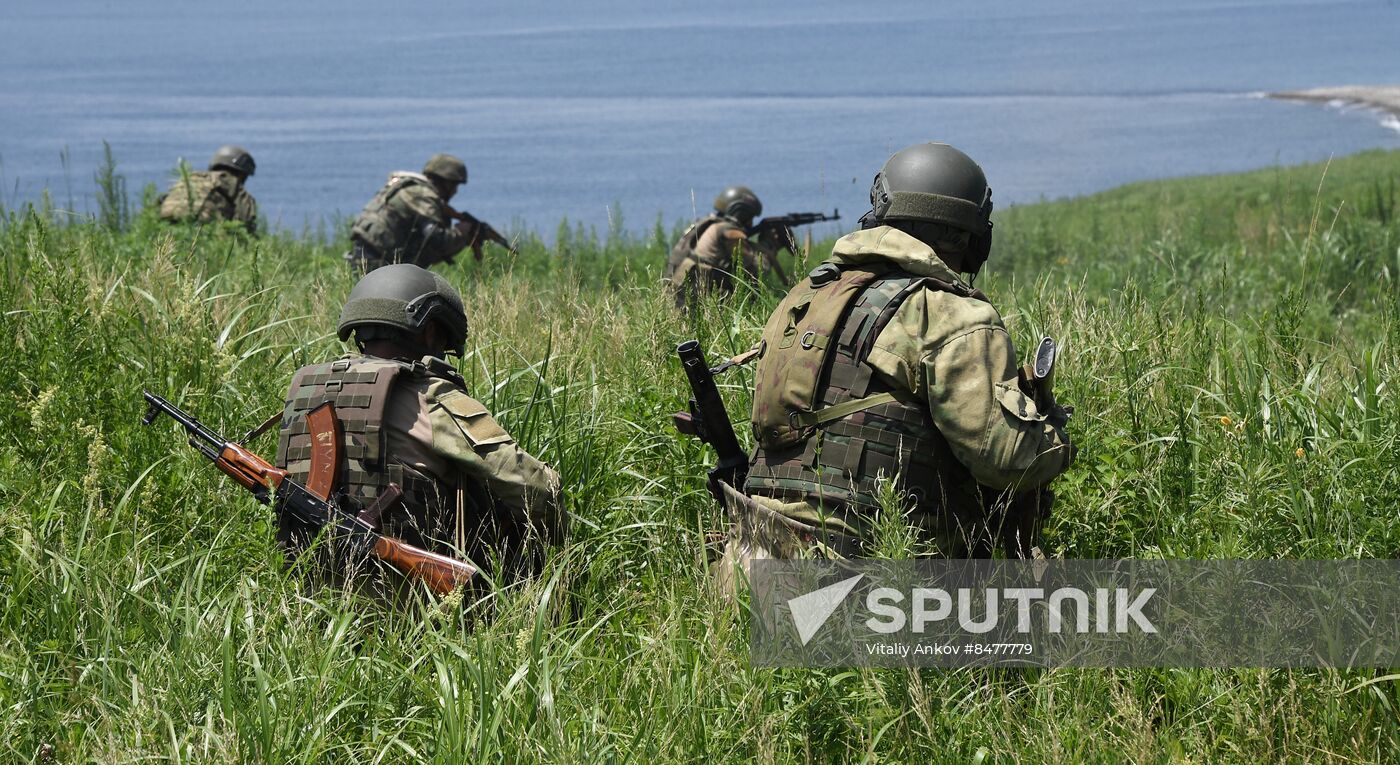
x=810, y=611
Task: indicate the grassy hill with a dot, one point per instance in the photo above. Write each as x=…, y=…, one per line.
x=1232, y=347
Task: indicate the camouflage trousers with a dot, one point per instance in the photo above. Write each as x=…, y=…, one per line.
x=759, y=532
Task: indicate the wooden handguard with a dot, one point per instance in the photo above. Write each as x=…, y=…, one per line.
x=441, y=573
x=248, y=469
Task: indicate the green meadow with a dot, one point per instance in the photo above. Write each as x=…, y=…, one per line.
x=1231, y=345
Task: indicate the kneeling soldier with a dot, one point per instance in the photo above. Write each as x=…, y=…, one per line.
x=468, y=489
x=215, y=195
x=719, y=249
x=410, y=221
x=885, y=365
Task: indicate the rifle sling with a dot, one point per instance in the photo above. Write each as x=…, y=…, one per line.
x=263, y=428
x=739, y=360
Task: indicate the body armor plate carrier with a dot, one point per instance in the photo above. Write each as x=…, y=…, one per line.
x=828, y=429
x=386, y=229
x=359, y=388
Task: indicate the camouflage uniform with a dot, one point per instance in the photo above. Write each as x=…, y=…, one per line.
x=468, y=488
x=210, y=196
x=709, y=255
x=406, y=222
x=940, y=411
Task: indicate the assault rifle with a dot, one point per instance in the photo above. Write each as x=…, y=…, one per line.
x=778, y=230
x=708, y=421
x=313, y=504
x=483, y=233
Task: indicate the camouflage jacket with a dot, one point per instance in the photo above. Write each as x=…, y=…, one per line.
x=215, y=195
x=712, y=252
x=436, y=428
x=408, y=222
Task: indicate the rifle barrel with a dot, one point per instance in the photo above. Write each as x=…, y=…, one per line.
x=197, y=429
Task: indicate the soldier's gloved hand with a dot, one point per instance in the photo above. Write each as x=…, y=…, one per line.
x=776, y=237
x=1059, y=415
x=465, y=228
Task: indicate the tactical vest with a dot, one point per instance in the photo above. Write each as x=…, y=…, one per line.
x=828, y=429
x=202, y=196
x=388, y=227
x=685, y=246
x=359, y=388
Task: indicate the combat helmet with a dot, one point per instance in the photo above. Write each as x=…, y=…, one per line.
x=935, y=183
x=446, y=167
x=402, y=298
x=234, y=158
x=739, y=203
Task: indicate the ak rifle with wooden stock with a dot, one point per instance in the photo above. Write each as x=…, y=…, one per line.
x=483, y=232
x=314, y=503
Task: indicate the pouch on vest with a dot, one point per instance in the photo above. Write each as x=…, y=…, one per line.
x=796, y=343
x=475, y=422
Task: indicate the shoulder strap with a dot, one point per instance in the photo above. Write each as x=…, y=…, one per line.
x=873, y=311
x=692, y=237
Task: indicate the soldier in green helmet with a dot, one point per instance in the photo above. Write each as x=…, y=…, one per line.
x=718, y=249
x=884, y=364
x=410, y=220
x=214, y=195
x=468, y=489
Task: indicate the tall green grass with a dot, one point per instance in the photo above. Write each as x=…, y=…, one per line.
x=1232, y=351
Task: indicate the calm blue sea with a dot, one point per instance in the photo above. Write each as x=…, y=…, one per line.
x=624, y=111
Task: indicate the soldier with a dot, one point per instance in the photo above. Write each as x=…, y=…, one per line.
x=214, y=195
x=410, y=221
x=467, y=487
x=885, y=365
x=718, y=247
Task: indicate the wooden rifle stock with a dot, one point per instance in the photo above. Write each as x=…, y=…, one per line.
x=440, y=573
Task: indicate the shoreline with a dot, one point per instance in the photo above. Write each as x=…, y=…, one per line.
x=1384, y=98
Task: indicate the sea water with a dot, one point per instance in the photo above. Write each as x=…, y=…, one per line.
x=625, y=113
